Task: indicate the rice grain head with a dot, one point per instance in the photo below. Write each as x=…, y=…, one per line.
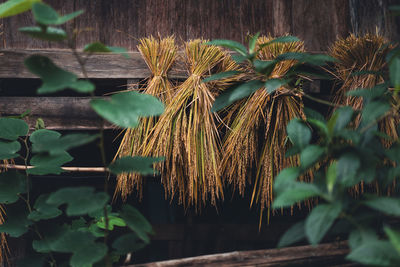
x=159, y=55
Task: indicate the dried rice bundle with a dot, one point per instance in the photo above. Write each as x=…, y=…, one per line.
x=356, y=54
x=159, y=55
x=186, y=134
x=257, y=138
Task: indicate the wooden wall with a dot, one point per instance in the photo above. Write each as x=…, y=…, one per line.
x=122, y=22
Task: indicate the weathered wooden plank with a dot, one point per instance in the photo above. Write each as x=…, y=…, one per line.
x=282, y=17
x=102, y=65
x=319, y=24
x=331, y=254
x=72, y=113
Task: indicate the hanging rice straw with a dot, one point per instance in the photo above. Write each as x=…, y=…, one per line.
x=186, y=134
x=159, y=55
x=358, y=54
x=257, y=138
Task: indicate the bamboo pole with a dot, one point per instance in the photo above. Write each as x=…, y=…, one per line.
x=69, y=169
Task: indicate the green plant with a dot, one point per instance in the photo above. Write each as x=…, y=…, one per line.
x=77, y=221
x=342, y=154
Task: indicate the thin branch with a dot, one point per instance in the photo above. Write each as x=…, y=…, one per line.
x=69, y=169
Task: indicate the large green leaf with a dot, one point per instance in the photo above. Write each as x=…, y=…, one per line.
x=8, y=150
x=112, y=221
x=12, y=183
x=298, y=133
x=374, y=110
x=344, y=117
x=394, y=238
x=47, y=34
x=125, y=109
x=136, y=222
x=272, y=84
x=346, y=169
x=376, y=253
x=142, y=165
x=285, y=178
x=17, y=222
x=15, y=7
x=331, y=176
x=47, y=141
x=310, y=155
x=370, y=93
x=46, y=15
x=98, y=47
x=54, y=78
x=49, y=164
x=11, y=129
x=235, y=93
x=235, y=46
x=394, y=69
x=320, y=221
x=221, y=75
x=295, y=234
x=386, y=205
x=43, y=210
x=295, y=192
x=128, y=243
x=79, y=200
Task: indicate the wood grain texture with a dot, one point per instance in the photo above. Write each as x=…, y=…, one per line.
x=58, y=113
x=102, y=65
x=330, y=254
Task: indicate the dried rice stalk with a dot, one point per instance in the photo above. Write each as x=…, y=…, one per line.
x=365, y=53
x=257, y=138
x=159, y=55
x=186, y=134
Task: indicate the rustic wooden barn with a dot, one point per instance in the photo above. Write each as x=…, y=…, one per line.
x=121, y=23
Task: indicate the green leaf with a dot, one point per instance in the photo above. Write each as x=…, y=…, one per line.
x=374, y=110
x=313, y=114
x=98, y=47
x=394, y=70
x=79, y=200
x=321, y=126
x=298, y=133
x=253, y=42
x=282, y=39
x=136, y=222
x=386, y=205
x=295, y=192
x=88, y=255
x=272, y=84
x=47, y=34
x=112, y=221
x=142, y=165
x=128, y=243
x=331, y=176
x=221, y=75
x=43, y=210
x=8, y=150
x=295, y=234
x=125, y=109
x=46, y=15
x=370, y=93
x=394, y=238
x=82, y=86
x=54, y=78
x=238, y=47
x=344, y=117
x=377, y=253
x=15, y=7
x=346, y=168
x=285, y=178
x=11, y=184
x=320, y=221
x=310, y=155
x=235, y=93
x=47, y=141
x=11, y=129
x=264, y=66
x=49, y=164
x=17, y=222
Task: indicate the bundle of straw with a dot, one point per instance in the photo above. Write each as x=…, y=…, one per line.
x=362, y=54
x=187, y=135
x=358, y=54
x=159, y=55
x=257, y=137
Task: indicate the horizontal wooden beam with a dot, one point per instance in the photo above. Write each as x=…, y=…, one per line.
x=98, y=65
x=58, y=113
x=331, y=254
